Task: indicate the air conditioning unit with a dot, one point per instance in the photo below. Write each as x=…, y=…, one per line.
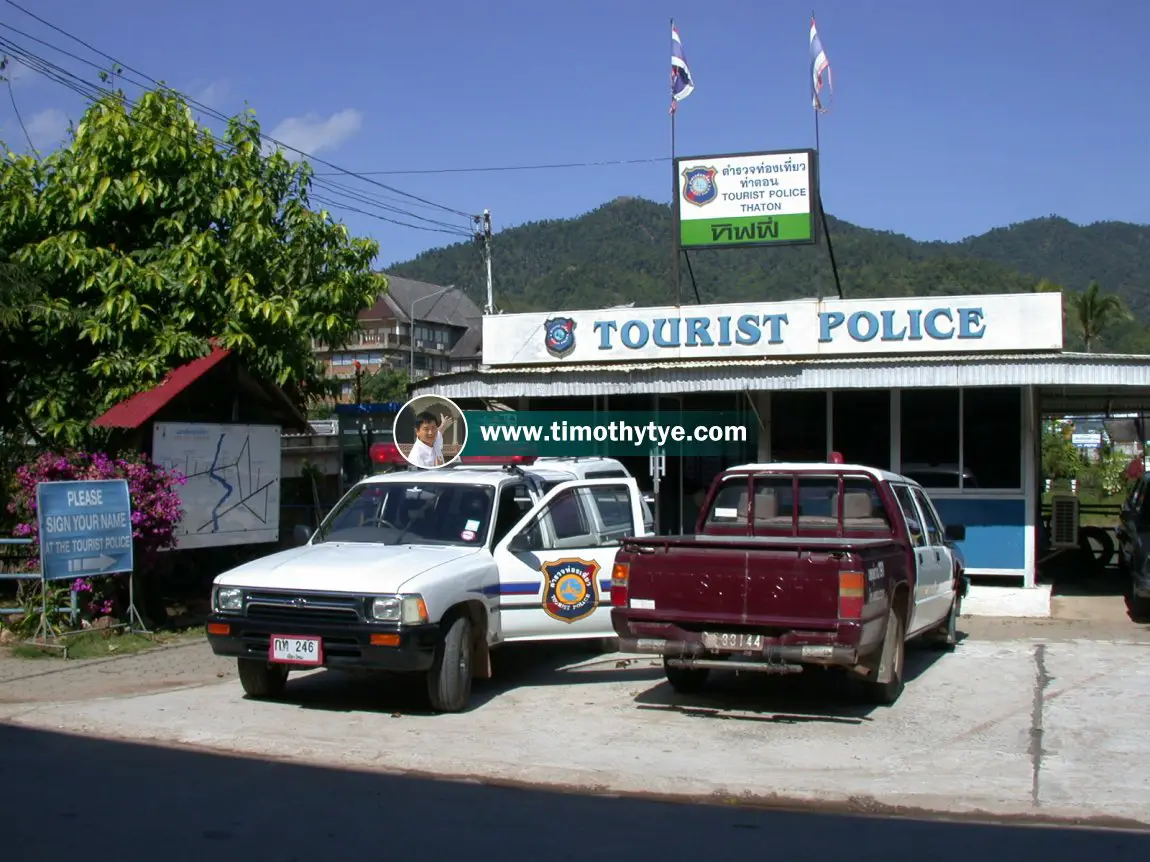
x=1064, y=521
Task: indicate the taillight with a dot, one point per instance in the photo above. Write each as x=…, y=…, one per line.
x=851, y=595
x=619, y=575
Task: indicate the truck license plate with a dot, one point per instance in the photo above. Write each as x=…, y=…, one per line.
x=732, y=642
x=293, y=649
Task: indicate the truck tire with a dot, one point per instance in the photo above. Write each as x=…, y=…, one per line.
x=945, y=637
x=261, y=680
x=894, y=658
x=449, y=680
x=686, y=680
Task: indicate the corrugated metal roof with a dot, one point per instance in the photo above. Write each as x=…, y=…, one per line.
x=135, y=411
x=875, y=372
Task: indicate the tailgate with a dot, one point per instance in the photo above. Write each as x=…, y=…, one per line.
x=689, y=582
x=790, y=587
x=732, y=583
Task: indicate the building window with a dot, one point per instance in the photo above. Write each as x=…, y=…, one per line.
x=963, y=439
x=799, y=426
x=929, y=441
x=861, y=427
x=992, y=437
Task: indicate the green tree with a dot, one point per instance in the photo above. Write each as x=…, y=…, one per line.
x=1096, y=312
x=387, y=384
x=1060, y=457
x=146, y=239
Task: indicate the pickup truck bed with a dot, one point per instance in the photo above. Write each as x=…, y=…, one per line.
x=773, y=603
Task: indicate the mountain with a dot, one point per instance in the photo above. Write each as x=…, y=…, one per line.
x=621, y=252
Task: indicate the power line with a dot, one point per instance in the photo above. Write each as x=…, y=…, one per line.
x=93, y=92
x=558, y=166
x=218, y=115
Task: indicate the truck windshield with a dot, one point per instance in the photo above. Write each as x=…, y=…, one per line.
x=414, y=512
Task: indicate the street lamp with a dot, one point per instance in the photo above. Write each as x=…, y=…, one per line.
x=414, y=302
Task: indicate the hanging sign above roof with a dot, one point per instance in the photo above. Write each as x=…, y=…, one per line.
x=803, y=328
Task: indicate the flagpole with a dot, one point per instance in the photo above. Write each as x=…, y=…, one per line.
x=676, y=278
x=814, y=97
x=819, y=200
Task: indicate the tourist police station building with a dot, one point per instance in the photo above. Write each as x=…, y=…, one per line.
x=947, y=390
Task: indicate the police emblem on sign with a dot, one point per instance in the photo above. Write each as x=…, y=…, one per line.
x=571, y=591
x=699, y=186
x=559, y=336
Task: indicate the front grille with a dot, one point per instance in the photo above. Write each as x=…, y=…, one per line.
x=309, y=608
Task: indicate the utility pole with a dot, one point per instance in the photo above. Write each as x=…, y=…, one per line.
x=483, y=235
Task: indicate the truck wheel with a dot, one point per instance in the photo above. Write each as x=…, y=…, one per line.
x=260, y=679
x=892, y=662
x=449, y=680
x=945, y=637
x=686, y=680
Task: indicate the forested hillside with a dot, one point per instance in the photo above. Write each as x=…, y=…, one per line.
x=621, y=252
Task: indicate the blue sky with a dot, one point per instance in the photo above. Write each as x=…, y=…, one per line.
x=948, y=119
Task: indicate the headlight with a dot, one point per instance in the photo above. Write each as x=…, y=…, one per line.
x=228, y=599
x=409, y=610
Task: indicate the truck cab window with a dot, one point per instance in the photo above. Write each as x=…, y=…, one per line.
x=910, y=515
x=862, y=506
x=774, y=503
x=934, y=531
x=730, y=508
x=514, y=503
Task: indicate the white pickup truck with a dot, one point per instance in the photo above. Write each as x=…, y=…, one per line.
x=426, y=572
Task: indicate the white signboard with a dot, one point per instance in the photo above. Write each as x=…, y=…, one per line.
x=1087, y=440
x=747, y=199
x=232, y=496
x=802, y=328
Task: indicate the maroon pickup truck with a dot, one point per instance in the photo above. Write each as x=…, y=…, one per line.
x=794, y=565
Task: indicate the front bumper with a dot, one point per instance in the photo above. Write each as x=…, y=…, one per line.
x=344, y=646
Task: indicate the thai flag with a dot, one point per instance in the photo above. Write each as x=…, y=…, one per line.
x=819, y=64
x=682, y=81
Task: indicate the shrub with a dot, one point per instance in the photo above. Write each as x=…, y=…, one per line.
x=155, y=511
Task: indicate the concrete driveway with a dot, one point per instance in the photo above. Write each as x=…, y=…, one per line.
x=1040, y=726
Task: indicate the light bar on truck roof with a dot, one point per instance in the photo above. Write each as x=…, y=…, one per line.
x=497, y=459
x=386, y=453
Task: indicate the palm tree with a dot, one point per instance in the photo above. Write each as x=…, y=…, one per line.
x=1096, y=312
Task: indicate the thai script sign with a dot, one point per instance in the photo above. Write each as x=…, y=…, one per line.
x=801, y=328
x=747, y=199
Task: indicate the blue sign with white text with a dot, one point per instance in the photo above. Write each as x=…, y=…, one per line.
x=85, y=528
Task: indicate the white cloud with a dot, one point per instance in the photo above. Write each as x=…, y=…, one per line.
x=213, y=94
x=17, y=72
x=313, y=133
x=47, y=128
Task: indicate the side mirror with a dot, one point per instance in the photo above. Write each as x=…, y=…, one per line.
x=519, y=544
x=301, y=534
x=956, y=532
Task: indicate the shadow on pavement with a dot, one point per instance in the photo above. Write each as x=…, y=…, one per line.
x=515, y=665
x=180, y=805
x=814, y=696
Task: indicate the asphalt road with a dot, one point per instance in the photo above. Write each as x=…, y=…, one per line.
x=67, y=798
